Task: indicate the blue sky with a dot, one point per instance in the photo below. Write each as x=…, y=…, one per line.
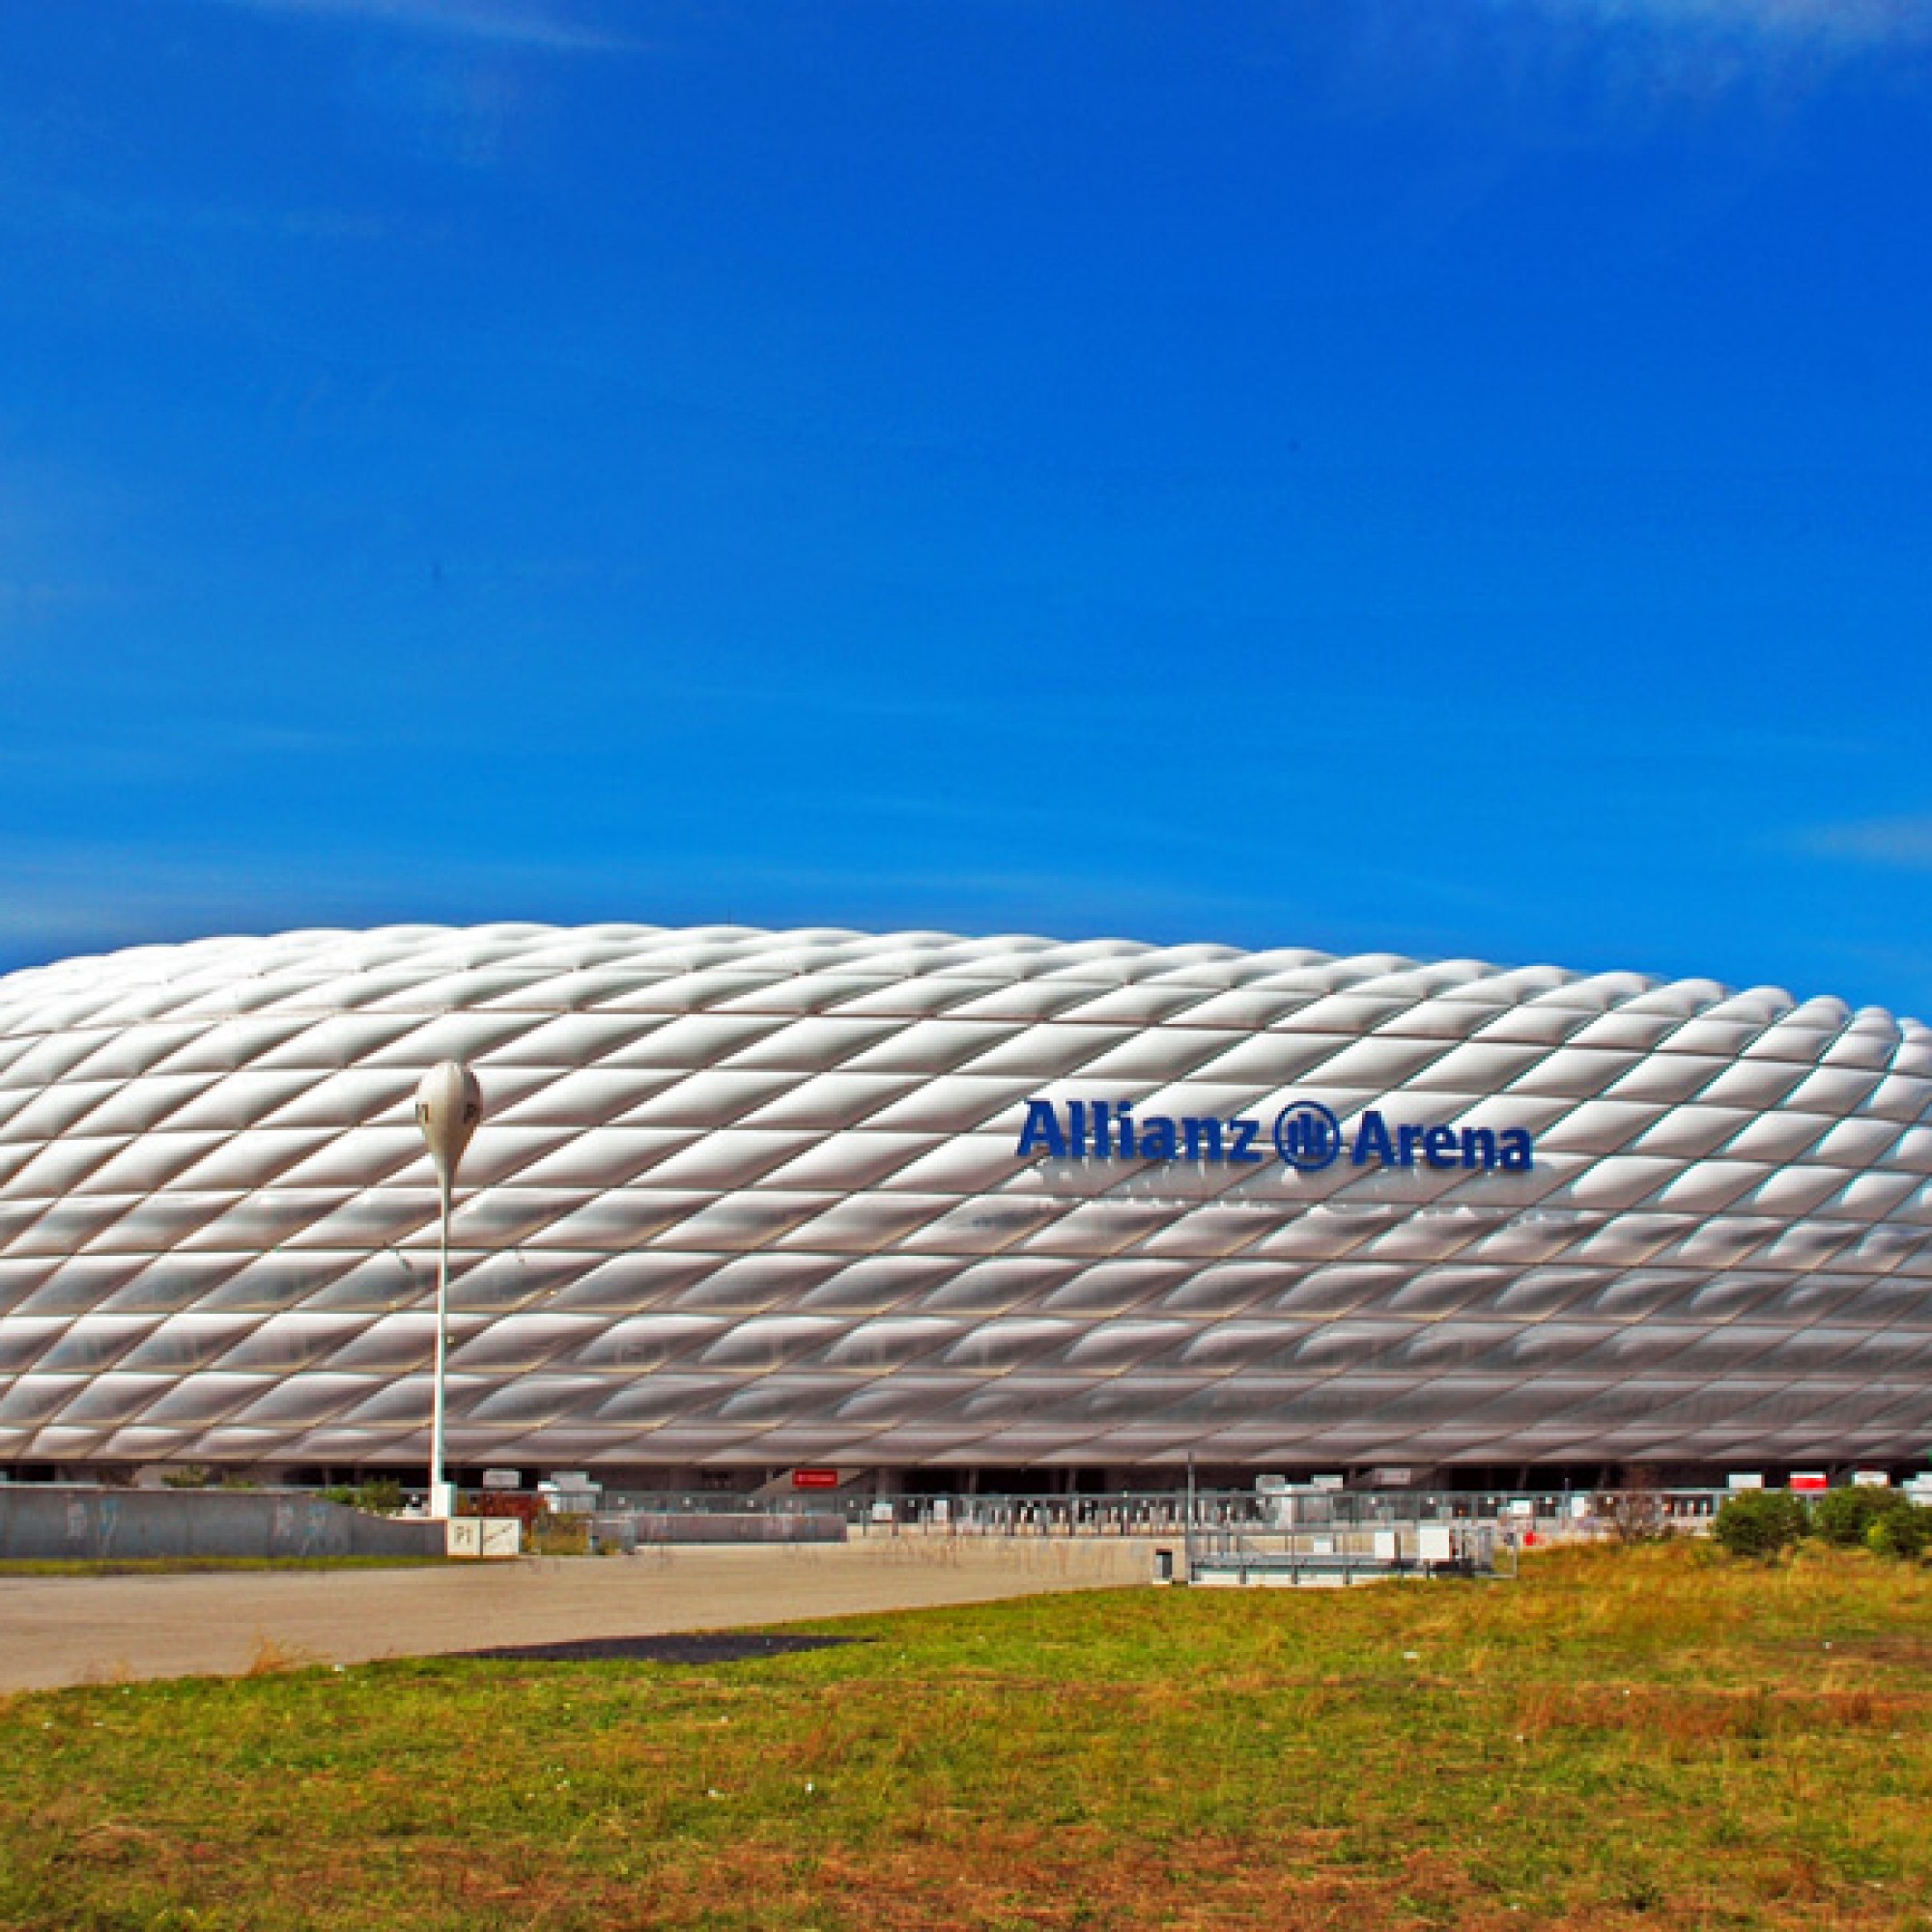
x=1447, y=477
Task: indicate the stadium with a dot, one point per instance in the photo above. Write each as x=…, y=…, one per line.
x=950, y=1212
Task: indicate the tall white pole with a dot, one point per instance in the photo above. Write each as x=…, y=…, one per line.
x=449, y=1104
x=442, y=1492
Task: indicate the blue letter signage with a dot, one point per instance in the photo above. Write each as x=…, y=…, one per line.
x=1307, y=1136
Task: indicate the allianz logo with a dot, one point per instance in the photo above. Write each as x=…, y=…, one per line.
x=1306, y=1136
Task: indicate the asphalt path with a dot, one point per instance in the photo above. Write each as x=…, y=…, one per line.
x=75, y=1630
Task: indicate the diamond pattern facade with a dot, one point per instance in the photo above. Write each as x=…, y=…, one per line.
x=753, y=1198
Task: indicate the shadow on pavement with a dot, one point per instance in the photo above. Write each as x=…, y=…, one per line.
x=725, y=1647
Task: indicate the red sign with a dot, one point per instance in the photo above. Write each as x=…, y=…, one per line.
x=815, y=1479
x=1809, y=1479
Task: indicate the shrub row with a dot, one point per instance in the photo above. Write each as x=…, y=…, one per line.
x=1762, y=1523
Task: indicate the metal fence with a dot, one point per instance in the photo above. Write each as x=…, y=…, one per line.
x=1525, y=1518
x=1311, y=1533
x=1345, y=1554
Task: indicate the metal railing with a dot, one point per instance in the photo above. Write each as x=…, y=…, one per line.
x=1527, y=1517
x=1344, y=1555
x=1290, y=1533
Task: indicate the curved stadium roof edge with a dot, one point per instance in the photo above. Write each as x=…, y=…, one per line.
x=917, y=953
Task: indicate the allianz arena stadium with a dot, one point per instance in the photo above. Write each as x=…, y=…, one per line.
x=744, y=1202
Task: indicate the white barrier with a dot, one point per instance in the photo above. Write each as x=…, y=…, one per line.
x=489, y=1537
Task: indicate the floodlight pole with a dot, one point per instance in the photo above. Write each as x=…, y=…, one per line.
x=449, y=1103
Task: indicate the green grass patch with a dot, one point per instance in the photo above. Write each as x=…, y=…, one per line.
x=1659, y=1736
x=195, y=1565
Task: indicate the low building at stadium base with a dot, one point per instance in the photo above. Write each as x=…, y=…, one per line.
x=953, y=1211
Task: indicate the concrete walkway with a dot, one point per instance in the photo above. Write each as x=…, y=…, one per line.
x=74, y=1629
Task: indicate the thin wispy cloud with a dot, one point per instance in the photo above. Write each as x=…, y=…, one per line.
x=1646, y=54
x=511, y=22
x=59, y=899
x=1844, y=22
x=1904, y=843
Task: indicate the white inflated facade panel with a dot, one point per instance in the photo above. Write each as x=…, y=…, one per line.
x=755, y=1198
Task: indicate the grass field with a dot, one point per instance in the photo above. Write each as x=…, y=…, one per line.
x=1656, y=1738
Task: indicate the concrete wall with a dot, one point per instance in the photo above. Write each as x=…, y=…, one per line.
x=634, y=1531
x=43, y=1520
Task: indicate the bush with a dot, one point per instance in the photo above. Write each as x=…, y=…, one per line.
x=559, y=1536
x=1760, y=1522
x=1845, y=1517
x=1903, y=1530
x=381, y=1497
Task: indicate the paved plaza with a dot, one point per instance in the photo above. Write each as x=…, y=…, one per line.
x=73, y=1630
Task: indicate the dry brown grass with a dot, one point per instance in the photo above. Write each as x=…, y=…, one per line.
x=1647, y=1739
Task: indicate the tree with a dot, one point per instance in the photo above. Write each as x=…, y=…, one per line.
x=1845, y=1517
x=1904, y=1530
x=1635, y=1508
x=1760, y=1522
